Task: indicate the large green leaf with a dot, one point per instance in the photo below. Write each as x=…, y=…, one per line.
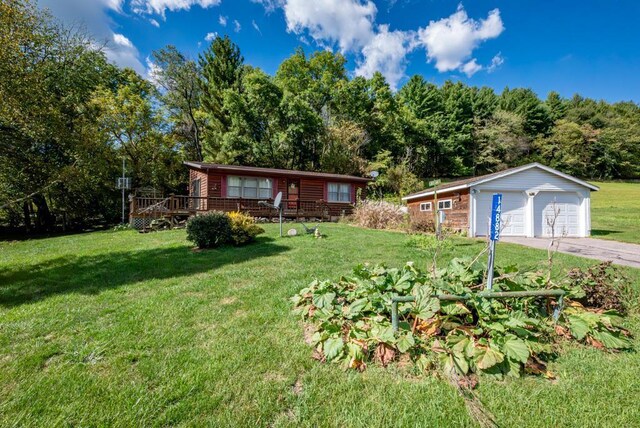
x=612, y=340
x=358, y=306
x=405, y=342
x=332, y=347
x=324, y=300
x=579, y=326
x=516, y=349
x=454, y=308
x=487, y=357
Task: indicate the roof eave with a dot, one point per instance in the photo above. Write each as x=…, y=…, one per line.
x=431, y=192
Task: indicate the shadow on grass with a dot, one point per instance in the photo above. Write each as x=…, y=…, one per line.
x=603, y=232
x=96, y=273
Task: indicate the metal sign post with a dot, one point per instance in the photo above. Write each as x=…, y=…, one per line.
x=494, y=235
x=436, y=210
x=277, y=204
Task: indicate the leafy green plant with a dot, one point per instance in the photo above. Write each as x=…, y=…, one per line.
x=507, y=337
x=243, y=228
x=209, y=230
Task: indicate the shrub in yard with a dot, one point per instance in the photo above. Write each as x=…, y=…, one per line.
x=209, y=230
x=351, y=321
x=600, y=286
x=378, y=215
x=243, y=228
x=423, y=225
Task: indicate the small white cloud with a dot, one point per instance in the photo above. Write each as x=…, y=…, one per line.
x=122, y=40
x=451, y=41
x=222, y=20
x=160, y=7
x=236, y=26
x=386, y=53
x=471, y=67
x=269, y=5
x=154, y=22
x=210, y=36
x=496, y=62
x=255, y=26
x=349, y=23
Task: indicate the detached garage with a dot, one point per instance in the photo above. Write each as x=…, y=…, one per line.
x=536, y=201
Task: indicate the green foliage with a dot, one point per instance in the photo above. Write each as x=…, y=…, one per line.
x=495, y=337
x=209, y=230
x=243, y=228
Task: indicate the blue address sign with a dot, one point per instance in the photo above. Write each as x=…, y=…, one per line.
x=496, y=210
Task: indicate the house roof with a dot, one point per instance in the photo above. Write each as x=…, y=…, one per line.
x=472, y=181
x=239, y=169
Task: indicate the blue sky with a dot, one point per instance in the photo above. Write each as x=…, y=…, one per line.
x=588, y=47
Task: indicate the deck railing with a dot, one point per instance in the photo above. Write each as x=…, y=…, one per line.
x=141, y=206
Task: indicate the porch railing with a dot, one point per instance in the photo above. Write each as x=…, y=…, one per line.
x=141, y=206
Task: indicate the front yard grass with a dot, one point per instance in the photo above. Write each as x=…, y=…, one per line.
x=615, y=211
x=125, y=329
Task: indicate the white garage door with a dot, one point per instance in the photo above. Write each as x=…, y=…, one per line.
x=567, y=209
x=513, y=210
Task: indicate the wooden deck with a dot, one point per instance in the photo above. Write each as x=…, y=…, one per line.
x=176, y=206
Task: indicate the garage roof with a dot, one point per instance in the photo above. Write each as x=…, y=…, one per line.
x=469, y=182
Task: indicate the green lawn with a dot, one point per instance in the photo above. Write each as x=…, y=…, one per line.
x=125, y=329
x=615, y=212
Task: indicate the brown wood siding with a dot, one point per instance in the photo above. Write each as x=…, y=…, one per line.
x=312, y=190
x=215, y=186
x=457, y=217
x=195, y=174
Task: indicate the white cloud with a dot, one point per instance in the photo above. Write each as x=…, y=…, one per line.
x=349, y=23
x=255, y=26
x=160, y=7
x=496, y=62
x=385, y=53
x=93, y=15
x=222, y=20
x=154, y=22
x=122, y=40
x=236, y=26
x=210, y=36
x=153, y=71
x=451, y=41
x=269, y=5
x=471, y=67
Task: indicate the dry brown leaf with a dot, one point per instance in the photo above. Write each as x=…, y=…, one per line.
x=384, y=354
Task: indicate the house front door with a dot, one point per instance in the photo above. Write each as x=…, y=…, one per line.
x=293, y=193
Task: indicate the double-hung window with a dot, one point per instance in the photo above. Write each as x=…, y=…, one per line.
x=249, y=187
x=444, y=204
x=339, y=192
x=425, y=206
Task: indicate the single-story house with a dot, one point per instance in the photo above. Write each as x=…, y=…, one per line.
x=531, y=195
x=216, y=187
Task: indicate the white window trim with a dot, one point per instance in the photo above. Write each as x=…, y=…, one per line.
x=242, y=179
x=423, y=206
x=350, y=201
x=443, y=201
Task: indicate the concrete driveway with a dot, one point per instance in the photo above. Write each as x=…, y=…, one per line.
x=619, y=253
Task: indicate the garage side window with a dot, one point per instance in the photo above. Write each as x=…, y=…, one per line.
x=444, y=204
x=425, y=206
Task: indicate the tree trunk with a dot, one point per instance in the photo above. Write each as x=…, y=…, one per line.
x=26, y=211
x=44, y=218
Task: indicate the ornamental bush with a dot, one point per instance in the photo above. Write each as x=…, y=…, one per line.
x=378, y=215
x=209, y=230
x=350, y=320
x=243, y=228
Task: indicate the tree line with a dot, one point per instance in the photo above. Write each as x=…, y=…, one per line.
x=69, y=117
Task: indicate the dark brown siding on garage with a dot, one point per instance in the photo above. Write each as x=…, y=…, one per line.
x=457, y=217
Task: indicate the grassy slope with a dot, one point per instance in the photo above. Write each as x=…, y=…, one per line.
x=615, y=212
x=126, y=329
